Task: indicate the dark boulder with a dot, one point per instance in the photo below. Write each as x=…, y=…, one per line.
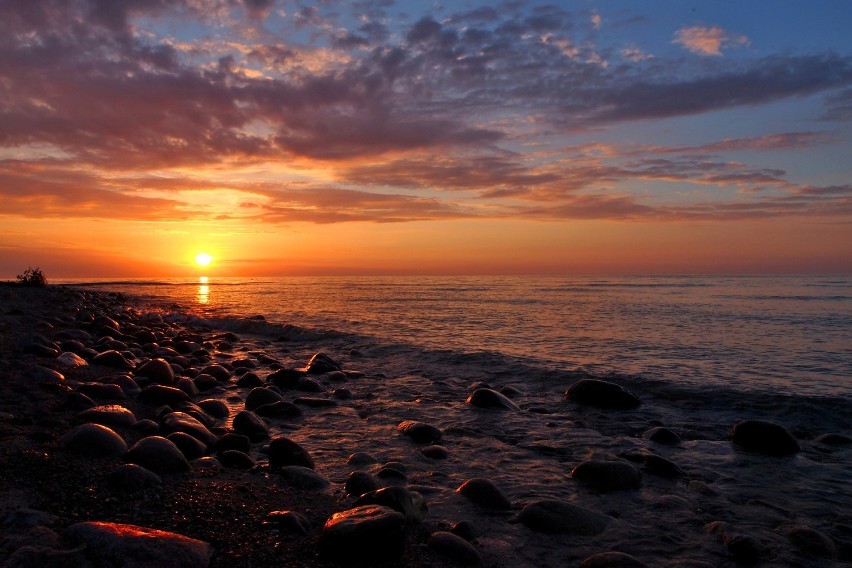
x=602, y=394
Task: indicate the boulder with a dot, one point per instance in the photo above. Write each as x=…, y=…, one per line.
x=409, y=503
x=602, y=394
x=485, y=494
x=488, y=398
x=159, y=395
x=322, y=363
x=303, y=478
x=420, y=432
x=94, y=440
x=763, y=437
x=111, y=415
x=183, y=422
x=283, y=452
x=250, y=424
x=370, y=533
x=156, y=371
x=455, y=548
x=157, y=454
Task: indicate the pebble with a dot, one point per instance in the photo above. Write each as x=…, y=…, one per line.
x=156, y=371
x=661, y=466
x=45, y=376
x=360, y=482
x=249, y=380
x=70, y=360
x=410, y=503
x=158, y=395
x=157, y=454
x=303, y=477
x=834, y=440
x=188, y=386
x=94, y=440
x=236, y=459
x=183, y=422
x=283, y=452
x=464, y=529
x=454, y=547
x=281, y=409
x=552, y=516
x=612, y=560
x=288, y=522
x=370, y=533
x=126, y=383
x=308, y=384
x=221, y=373
x=78, y=401
x=286, y=378
x=484, y=493
x=102, y=391
x=321, y=363
x=606, y=476
x=420, y=432
x=111, y=415
x=189, y=446
x=603, y=394
x=131, y=477
x=215, y=408
x=112, y=358
x=260, y=396
x=113, y=544
x=360, y=458
x=662, y=435
x=764, y=437
x=250, y=424
x=434, y=452
x=488, y=398
x=232, y=441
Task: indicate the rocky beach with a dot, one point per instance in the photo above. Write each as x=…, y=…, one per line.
x=138, y=434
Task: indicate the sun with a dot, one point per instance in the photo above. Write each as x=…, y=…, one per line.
x=203, y=259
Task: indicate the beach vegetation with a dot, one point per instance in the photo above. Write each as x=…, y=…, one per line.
x=32, y=277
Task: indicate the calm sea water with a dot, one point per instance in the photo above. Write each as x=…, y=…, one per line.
x=775, y=334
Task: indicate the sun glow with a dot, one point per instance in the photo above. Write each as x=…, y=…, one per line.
x=203, y=259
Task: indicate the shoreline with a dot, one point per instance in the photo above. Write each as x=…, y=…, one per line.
x=367, y=398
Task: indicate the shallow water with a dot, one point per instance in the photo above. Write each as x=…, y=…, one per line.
x=701, y=354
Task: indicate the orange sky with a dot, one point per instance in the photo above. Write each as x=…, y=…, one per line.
x=413, y=139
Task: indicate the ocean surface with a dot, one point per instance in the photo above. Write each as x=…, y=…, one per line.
x=778, y=334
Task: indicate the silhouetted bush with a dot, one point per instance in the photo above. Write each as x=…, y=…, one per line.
x=32, y=277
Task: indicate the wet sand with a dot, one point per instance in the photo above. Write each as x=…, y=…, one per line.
x=659, y=484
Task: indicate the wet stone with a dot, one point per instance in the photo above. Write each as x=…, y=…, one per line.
x=67, y=359
x=158, y=395
x=188, y=386
x=250, y=424
x=313, y=402
x=112, y=358
x=763, y=437
x=288, y=522
x=552, y=516
x=420, y=432
x=834, y=440
x=112, y=544
x=488, y=398
x=602, y=394
x=391, y=476
x=102, y=391
x=111, y=415
x=130, y=477
x=157, y=454
x=189, y=446
x=45, y=376
x=236, y=459
x=94, y=440
x=322, y=363
x=434, y=452
x=215, y=408
x=363, y=534
x=232, y=441
x=303, y=478
x=281, y=409
x=810, y=541
x=286, y=378
x=308, y=384
x=249, y=380
x=410, y=503
x=126, y=383
x=360, y=458
x=360, y=482
x=145, y=427
x=662, y=435
x=156, y=371
x=78, y=401
x=454, y=547
x=218, y=371
x=183, y=422
x=484, y=493
x=661, y=466
x=260, y=396
x=605, y=476
x=283, y=452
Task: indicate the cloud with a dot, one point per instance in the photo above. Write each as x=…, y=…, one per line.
x=708, y=41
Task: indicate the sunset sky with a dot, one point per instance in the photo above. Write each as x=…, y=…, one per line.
x=407, y=137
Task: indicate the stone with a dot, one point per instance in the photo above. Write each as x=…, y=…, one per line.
x=260, y=396
x=131, y=477
x=662, y=435
x=282, y=409
x=283, y=452
x=78, y=401
x=189, y=446
x=286, y=378
x=420, y=432
x=341, y=394
x=485, y=494
x=215, y=408
x=302, y=477
x=249, y=380
x=464, y=529
x=157, y=454
x=661, y=466
x=205, y=382
x=322, y=363
x=45, y=376
x=360, y=482
x=360, y=458
x=236, y=459
x=488, y=398
x=409, y=503
x=392, y=476
x=112, y=358
x=94, y=440
x=602, y=394
x=454, y=547
x=309, y=384
x=763, y=437
x=70, y=360
x=370, y=533
x=156, y=371
x=810, y=541
x=221, y=373
x=250, y=424
x=315, y=402
x=188, y=386
x=232, y=441
x=131, y=546
x=606, y=476
x=289, y=522
x=834, y=440
x=145, y=427
x=612, y=559
x=126, y=383
x=183, y=422
x=111, y=415
x=102, y=391
x=159, y=395
x=434, y=452
x=552, y=516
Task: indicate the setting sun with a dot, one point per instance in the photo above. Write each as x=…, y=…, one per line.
x=203, y=259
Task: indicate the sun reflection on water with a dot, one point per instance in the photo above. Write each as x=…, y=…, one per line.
x=203, y=295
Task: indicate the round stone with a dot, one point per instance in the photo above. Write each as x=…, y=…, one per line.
x=131, y=477
x=562, y=517
x=454, y=547
x=420, y=432
x=409, y=503
x=484, y=493
x=763, y=437
x=157, y=454
x=303, y=478
x=94, y=440
x=605, y=476
x=363, y=534
x=156, y=371
x=250, y=424
x=488, y=398
x=283, y=452
x=612, y=560
x=603, y=394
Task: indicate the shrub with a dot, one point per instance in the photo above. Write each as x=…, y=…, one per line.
x=32, y=277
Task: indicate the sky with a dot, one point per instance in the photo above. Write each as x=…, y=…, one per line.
x=405, y=137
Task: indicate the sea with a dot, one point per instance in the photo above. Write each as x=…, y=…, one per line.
x=790, y=334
